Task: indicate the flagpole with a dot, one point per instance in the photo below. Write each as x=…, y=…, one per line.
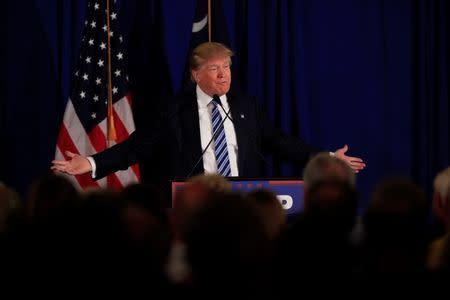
x=209, y=20
x=111, y=130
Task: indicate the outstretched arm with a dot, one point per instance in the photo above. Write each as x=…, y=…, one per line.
x=355, y=163
x=75, y=165
x=101, y=164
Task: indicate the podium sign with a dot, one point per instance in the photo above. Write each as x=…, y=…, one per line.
x=289, y=192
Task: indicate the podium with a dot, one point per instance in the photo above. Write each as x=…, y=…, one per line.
x=289, y=191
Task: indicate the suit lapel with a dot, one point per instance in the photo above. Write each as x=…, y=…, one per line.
x=240, y=127
x=189, y=139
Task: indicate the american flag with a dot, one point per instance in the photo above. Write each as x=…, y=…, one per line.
x=84, y=127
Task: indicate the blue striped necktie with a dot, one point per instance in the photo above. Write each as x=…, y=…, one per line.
x=220, y=142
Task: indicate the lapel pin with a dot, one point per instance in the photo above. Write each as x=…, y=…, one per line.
x=242, y=116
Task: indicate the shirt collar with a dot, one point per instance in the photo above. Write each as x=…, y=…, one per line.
x=204, y=99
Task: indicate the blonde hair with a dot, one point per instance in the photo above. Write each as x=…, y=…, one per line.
x=441, y=183
x=213, y=182
x=206, y=51
x=323, y=167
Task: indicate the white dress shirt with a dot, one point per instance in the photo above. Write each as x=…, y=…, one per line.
x=204, y=114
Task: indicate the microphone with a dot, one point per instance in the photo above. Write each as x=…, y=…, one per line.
x=227, y=115
x=216, y=99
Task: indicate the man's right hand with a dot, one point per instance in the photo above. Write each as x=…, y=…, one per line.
x=76, y=164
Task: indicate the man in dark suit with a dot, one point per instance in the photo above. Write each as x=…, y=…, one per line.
x=185, y=141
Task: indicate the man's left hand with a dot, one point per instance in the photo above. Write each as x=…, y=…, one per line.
x=355, y=163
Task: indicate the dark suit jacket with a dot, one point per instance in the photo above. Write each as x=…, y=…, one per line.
x=172, y=147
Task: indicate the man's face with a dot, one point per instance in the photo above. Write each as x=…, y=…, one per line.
x=214, y=76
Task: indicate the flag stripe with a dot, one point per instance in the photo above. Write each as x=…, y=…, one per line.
x=126, y=177
x=123, y=110
x=98, y=138
x=136, y=171
x=76, y=131
x=121, y=131
x=114, y=182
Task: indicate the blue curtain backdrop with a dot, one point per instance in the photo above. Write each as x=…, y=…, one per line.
x=370, y=73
